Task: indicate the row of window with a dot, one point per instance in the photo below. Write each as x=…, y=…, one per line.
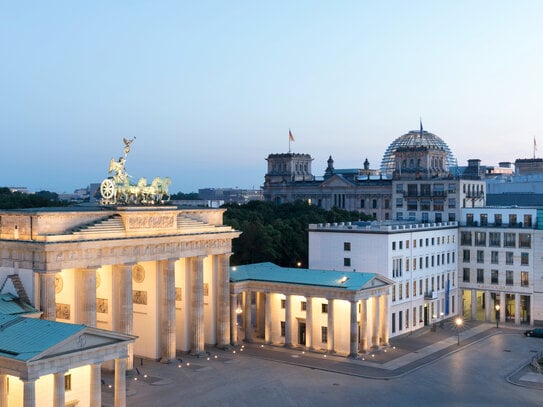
x=424, y=262
x=324, y=332
x=428, y=284
x=425, y=189
x=495, y=257
x=426, y=204
x=303, y=306
x=495, y=277
x=417, y=318
x=374, y=204
x=423, y=242
x=425, y=218
x=498, y=220
x=494, y=239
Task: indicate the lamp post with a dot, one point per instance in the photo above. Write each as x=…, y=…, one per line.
x=497, y=308
x=458, y=322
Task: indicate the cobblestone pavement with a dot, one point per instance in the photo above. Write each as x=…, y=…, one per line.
x=490, y=366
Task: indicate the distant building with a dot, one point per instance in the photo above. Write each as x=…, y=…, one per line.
x=230, y=195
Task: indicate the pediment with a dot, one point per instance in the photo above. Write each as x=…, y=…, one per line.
x=336, y=181
x=376, y=282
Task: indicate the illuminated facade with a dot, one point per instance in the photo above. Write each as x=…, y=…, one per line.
x=420, y=259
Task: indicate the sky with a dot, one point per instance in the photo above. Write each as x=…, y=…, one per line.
x=210, y=88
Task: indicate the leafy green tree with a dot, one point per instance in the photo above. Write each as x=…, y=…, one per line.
x=278, y=233
x=19, y=200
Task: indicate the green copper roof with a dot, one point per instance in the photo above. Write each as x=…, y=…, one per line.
x=24, y=338
x=12, y=305
x=270, y=272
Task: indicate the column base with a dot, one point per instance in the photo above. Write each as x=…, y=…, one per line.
x=225, y=346
x=165, y=361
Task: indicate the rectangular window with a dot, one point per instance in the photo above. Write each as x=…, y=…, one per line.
x=347, y=246
x=425, y=205
x=206, y=290
x=399, y=188
x=494, y=259
x=484, y=219
x=493, y=276
x=362, y=204
x=347, y=262
x=400, y=243
x=303, y=305
x=525, y=240
x=497, y=219
x=494, y=239
x=452, y=217
x=407, y=290
x=480, y=238
x=509, y=240
x=452, y=188
x=465, y=275
x=469, y=219
x=414, y=264
x=527, y=221
x=400, y=292
x=438, y=205
x=509, y=277
x=524, y=279
x=414, y=243
x=399, y=202
x=283, y=304
x=452, y=203
x=412, y=205
x=282, y=328
x=465, y=238
x=393, y=245
x=524, y=259
x=480, y=276
x=394, y=293
x=393, y=322
x=480, y=256
x=324, y=334
x=512, y=220
x=67, y=382
x=407, y=244
x=414, y=288
x=324, y=308
x=509, y=258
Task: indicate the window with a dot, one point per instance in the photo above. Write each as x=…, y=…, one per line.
x=414, y=243
x=420, y=263
x=493, y=276
x=282, y=328
x=303, y=306
x=452, y=188
x=412, y=205
x=324, y=308
x=484, y=219
x=465, y=275
x=399, y=188
x=512, y=220
x=480, y=256
x=527, y=221
x=494, y=239
x=452, y=203
x=509, y=277
x=480, y=276
x=425, y=205
x=509, y=240
x=401, y=244
x=498, y=219
x=406, y=264
x=394, y=293
x=525, y=240
x=494, y=257
x=524, y=259
x=420, y=286
x=465, y=238
x=469, y=219
x=387, y=204
x=509, y=258
x=68, y=382
x=374, y=203
x=426, y=262
x=347, y=246
x=433, y=241
x=400, y=292
x=407, y=244
x=414, y=289
x=438, y=205
x=399, y=202
x=480, y=238
x=393, y=245
x=347, y=262
x=283, y=304
x=524, y=279
x=362, y=204
x=393, y=322
x=420, y=242
x=452, y=217
x=324, y=334
x=206, y=290
x=414, y=264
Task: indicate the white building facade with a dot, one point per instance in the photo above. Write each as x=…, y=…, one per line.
x=501, y=260
x=421, y=259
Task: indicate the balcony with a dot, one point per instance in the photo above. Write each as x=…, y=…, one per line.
x=430, y=295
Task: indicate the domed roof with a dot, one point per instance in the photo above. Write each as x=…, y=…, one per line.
x=415, y=138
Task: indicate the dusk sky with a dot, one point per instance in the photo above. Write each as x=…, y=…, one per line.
x=210, y=88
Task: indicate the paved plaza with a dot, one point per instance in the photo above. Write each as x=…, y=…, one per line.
x=489, y=367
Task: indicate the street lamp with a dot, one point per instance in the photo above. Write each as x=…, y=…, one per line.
x=497, y=308
x=458, y=322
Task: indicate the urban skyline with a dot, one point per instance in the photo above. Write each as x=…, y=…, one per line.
x=210, y=89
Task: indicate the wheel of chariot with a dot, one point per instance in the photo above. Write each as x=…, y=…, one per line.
x=107, y=189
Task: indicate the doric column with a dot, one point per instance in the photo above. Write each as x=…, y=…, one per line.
x=473, y=305
x=309, y=322
x=384, y=319
x=58, y=392
x=47, y=296
x=123, y=317
x=288, y=320
x=197, y=305
x=268, y=319
x=223, y=300
x=517, y=309
x=260, y=311
x=247, y=307
x=376, y=328
x=233, y=319
x=488, y=306
x=29, y=393
x=119, y=397
x=167, y=315
x=3, y=390
x=95, y=385
x=353, y=344
x=364, y=325
x=330, y=343
x=85, y=296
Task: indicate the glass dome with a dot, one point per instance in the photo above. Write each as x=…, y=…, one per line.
x=415, y=138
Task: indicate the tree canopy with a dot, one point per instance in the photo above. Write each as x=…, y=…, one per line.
x=19, y=200
x=278, y=233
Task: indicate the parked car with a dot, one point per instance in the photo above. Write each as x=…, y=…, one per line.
x=538, y=332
